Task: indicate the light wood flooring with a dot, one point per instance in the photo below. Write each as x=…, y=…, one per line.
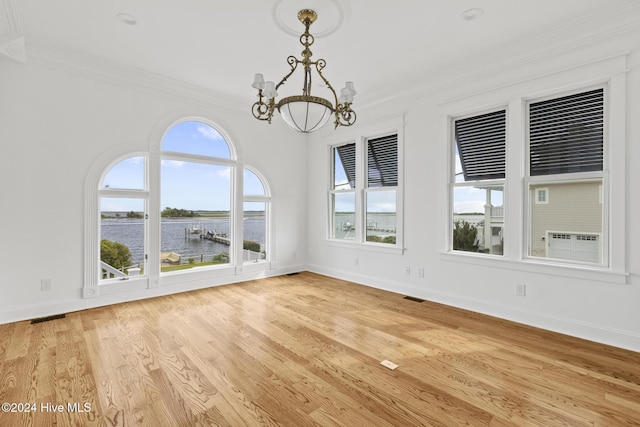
x=305, y=350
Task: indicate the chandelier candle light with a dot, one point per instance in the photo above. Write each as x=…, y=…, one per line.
x=305, y=112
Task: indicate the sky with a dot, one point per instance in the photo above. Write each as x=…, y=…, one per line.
x=184, y=184
x=472, y=199
x=200, y=186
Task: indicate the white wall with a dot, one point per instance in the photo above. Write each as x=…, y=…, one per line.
x=57, y=120
x=584, y=304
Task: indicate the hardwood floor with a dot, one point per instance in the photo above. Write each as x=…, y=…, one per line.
x=306, y=350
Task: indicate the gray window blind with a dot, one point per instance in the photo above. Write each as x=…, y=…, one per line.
x=382, y=161
x=481, y=144
x=347, y=155
x=566, y=134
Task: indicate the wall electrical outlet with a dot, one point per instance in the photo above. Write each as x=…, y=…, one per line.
x=408, y=270
x=45, y=285
x=421, y=272
x=521, y=289
x=355, y=261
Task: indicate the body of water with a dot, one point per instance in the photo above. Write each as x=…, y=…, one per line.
x=379, y=224
x=175, y=235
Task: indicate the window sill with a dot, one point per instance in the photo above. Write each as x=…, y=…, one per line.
x=373, y=247
x=112, y=286
x=534, y=266
x=253, y=266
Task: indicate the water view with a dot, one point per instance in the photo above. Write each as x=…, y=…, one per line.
x=181, y=235
x=381, y=224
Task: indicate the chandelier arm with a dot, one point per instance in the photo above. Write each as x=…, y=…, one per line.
x=320, y=64
x=345, y=116
x=261, y=110
x=293, y=63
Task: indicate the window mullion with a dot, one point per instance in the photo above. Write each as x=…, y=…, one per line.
x=153, y=223
x=361, y=179
x=514, y=198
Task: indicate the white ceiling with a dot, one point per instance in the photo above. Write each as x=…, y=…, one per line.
x=219, y=44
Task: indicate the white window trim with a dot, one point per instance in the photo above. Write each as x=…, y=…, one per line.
x=266, y=199
x=489, y=182
x=359, y=136
x=568, y=178
x=94, y=287
x=610, y=70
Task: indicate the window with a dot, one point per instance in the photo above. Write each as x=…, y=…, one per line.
x=172, y=210
x=562, y=175
x=195, y=198
x=565, y=137
x=381, y=189
x=478, y=183
x=255, y=218
x=542, y=196
x=565, y=172
x=364, y=191
x=123, y=220
x=343, y=192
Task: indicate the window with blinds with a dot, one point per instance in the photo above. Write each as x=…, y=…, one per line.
x=566, y=134
x=480, y=142
x=477, y=187
x=364, y=195
x=566, y=156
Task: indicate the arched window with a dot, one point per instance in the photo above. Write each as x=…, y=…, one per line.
x=256, y=207
x=175, y=209
x=123, y=213
x=195, y=198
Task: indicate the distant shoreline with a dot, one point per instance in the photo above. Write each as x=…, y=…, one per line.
x=198, y=214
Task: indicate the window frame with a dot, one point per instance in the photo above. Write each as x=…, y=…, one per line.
x=566, y=178
x=125, y=193
x=360, y=137
x=488, y=182
x=233, y=189
x=610, y=71
x=266, y=199
x=153, y=155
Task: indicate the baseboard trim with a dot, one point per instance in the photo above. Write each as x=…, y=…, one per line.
x=565, y=326
x=28, y=312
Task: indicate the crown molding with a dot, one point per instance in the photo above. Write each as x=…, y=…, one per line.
x=580, y=35
x=48, y=55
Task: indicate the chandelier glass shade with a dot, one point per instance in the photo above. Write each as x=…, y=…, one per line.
x=305, y=112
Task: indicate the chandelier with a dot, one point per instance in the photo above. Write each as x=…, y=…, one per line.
x=305, y=112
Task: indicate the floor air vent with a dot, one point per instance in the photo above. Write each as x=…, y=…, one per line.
x=414, y=299
x=46, y=319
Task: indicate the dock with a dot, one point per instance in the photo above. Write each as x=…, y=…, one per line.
x=216, y=237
